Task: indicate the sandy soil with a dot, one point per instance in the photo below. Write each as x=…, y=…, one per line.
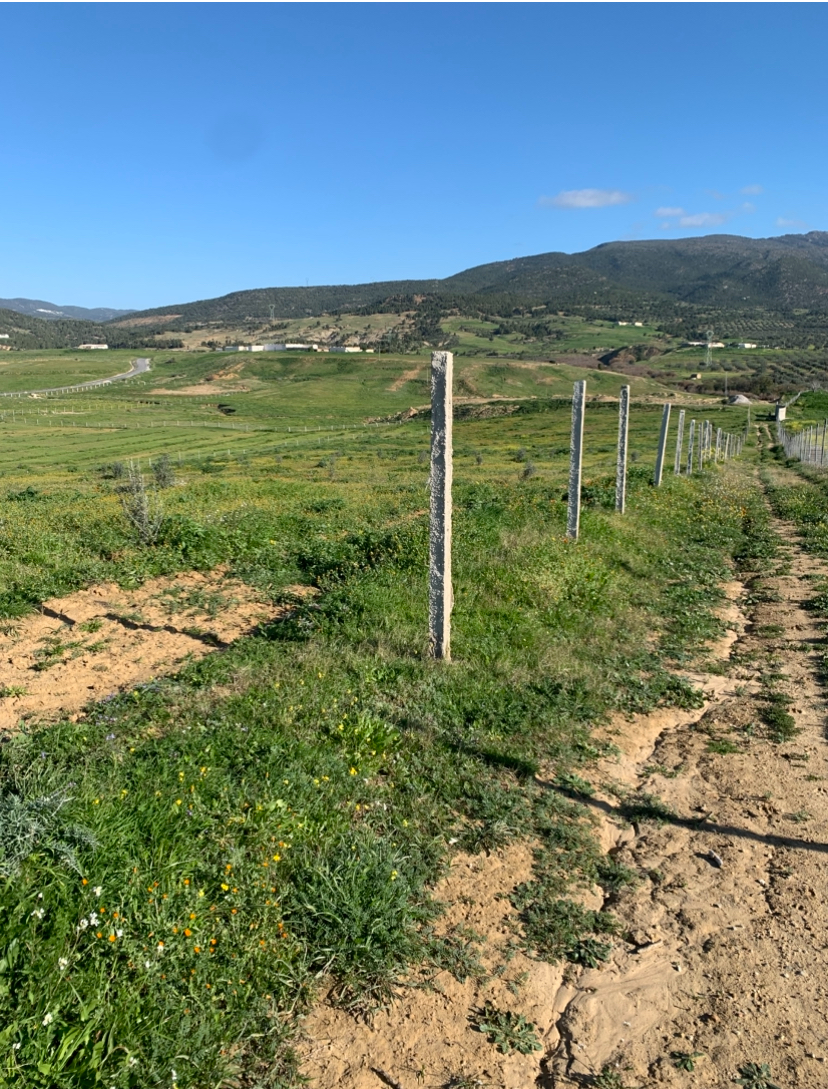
x=406, y=376
x=204, y=389
x=97, y=641
x=724, y=937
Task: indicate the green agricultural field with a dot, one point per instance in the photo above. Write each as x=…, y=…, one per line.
x=560, y=334
x=46, y=370
x=189, y=854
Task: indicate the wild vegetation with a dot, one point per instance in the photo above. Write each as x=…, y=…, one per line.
x=189, y=858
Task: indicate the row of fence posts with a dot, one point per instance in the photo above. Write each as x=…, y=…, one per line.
x=808, y=445
x=704, y=443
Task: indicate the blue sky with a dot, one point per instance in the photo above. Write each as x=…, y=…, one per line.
x=158, y=153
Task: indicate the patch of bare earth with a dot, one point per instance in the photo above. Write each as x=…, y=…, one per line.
x=97, y=641
x=723, y=946
x=406, y=376
x=204, y=389
x=427, y=1036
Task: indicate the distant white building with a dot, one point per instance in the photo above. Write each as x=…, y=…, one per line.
x=638, y=324
x=92, y=347
x=4, y=336
x=623, y=323
x=747, y=344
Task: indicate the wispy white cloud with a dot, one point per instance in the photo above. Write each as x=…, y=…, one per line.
x=662, y=213
x=751, y=190
x=783, y=222
x=702, y=219
x=748, y=207
x=586, y=198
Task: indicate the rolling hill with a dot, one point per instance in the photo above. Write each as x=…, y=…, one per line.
x=724, y=271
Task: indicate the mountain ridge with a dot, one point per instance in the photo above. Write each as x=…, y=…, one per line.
x=782, y=272
x=39, y=308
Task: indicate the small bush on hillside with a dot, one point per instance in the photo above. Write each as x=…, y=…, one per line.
x=162, y=471
x=142, y=509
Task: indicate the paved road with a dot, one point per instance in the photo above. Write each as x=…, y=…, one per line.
x=139, y=366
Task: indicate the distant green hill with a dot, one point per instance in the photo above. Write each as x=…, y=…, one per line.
x=723, y=271
x=25, y=331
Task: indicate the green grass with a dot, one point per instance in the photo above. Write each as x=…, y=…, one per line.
x=279, y=810
x=51, y=369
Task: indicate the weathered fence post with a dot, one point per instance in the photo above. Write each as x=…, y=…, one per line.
x=621, y=460
x=439, y=560
x=662, y=445
x=702, y=433
x=690, y=445
x=679, y=439
x=718, y=443
x=576, y=457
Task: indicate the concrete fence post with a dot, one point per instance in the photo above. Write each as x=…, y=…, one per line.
x=679, y=440
x=702, y=432
x=440, y=598
x=576, y=457
x=621, y=459
x=662, y=445
x=691, y=441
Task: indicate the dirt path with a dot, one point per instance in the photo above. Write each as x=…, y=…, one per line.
x=728, y=931
x=721, y=957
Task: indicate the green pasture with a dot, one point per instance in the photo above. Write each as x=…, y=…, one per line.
x=205, y=400
x=47, y=370
x=79, y=432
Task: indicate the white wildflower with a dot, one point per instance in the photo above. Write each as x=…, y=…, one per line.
x=98, y=889
x=147, y=964
x=93, y=919
x=133, y=1061
x=63, y=963
x=39, y=912
x=83, y=924
x=47, y=1020
x=119, y=933
x=17, y=1046
x=40, y=896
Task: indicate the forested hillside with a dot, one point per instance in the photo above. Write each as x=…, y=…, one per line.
x=720, y=271
x=25, y=331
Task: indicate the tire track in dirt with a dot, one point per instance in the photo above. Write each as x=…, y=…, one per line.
x=727, y=934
